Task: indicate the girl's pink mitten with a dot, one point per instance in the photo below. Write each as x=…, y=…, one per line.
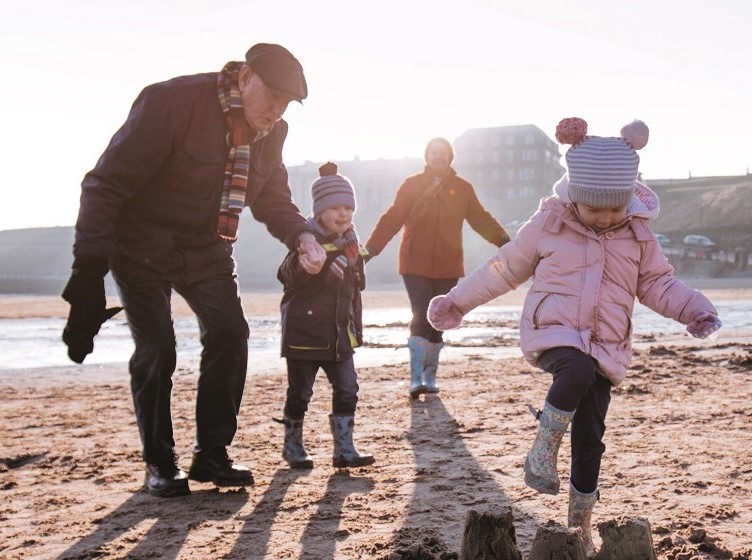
x=704, y=325
x=443, y=314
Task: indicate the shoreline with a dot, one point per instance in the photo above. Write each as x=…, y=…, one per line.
x=20, y=306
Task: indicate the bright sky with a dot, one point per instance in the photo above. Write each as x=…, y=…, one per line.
x=383, y=78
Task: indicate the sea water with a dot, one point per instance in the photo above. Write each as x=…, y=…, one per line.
x=35, y=342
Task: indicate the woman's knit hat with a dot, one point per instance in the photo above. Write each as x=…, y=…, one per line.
x=601, y=170
x=331, y=189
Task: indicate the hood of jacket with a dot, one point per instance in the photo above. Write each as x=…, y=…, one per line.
x=644, y=203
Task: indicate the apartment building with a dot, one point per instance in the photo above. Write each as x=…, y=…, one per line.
x=511, y=167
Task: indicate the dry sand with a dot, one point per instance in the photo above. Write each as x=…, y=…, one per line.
x=679, y=453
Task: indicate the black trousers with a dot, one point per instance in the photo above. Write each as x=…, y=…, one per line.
x=578, y=386
x=420, y=290
x=224, y=336
x=301, y=375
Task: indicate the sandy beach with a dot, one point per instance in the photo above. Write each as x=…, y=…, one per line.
x=679, y=448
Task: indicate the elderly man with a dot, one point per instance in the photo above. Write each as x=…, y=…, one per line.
x=160, y=211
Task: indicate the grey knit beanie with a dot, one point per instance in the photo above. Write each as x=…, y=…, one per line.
x=601, y=171
x=331, y=189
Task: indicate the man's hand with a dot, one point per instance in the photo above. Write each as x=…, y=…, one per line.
x=443, y=314
x=311, y=255
x=85, y=292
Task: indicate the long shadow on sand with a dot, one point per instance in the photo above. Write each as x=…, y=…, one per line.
x=175, y=517
x=253, y=537
x=318, y=541
x=444, y=465
x=320, y=537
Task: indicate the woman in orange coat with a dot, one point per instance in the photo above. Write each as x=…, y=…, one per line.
x=432, y=207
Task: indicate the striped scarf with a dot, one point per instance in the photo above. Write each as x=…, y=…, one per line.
x=239, y=139
x=350, y=246
x=347, y=243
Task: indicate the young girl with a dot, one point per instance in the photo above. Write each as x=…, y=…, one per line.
x=322, y=322
x=590, y=252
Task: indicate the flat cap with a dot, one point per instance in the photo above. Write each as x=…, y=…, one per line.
x=278, y=69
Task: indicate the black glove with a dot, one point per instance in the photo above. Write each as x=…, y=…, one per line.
x=85, y=292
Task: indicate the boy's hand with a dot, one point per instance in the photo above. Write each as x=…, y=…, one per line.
x=704, y=325
x=443, y=314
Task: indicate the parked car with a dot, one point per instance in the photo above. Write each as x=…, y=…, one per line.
x=663, y=239
x=698, y=241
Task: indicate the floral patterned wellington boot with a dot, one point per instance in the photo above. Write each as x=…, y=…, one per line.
x=540, y=464
x=580, y=511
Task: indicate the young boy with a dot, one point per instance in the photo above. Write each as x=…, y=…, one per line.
x=322, y=322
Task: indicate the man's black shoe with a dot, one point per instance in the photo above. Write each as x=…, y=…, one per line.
x=166, y=480
x=214, y=465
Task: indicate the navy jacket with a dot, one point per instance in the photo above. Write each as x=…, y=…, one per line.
x=322, y=316
x=153, y=197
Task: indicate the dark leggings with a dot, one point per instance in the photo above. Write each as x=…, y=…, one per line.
x=420, y=290
x=578, y=386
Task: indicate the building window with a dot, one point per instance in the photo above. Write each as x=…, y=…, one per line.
x=526, y=173
x=510, y=139
x=529, y=138
x=510, y=156
x=495, y=141
x=495, y=157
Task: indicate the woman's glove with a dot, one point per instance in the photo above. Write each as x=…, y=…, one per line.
x=371, y=252
x=443, y=314
x=704, y=325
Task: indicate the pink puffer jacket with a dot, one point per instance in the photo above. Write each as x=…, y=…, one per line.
x=584, y=283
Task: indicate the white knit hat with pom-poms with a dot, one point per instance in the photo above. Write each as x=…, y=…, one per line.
x=601, y=171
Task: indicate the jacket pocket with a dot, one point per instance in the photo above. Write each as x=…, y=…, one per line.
x=536, y=317
x=307, y=329
x=614, y=324
x=197, y=169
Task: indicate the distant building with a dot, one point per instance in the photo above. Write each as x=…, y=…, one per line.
x=511, y=167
